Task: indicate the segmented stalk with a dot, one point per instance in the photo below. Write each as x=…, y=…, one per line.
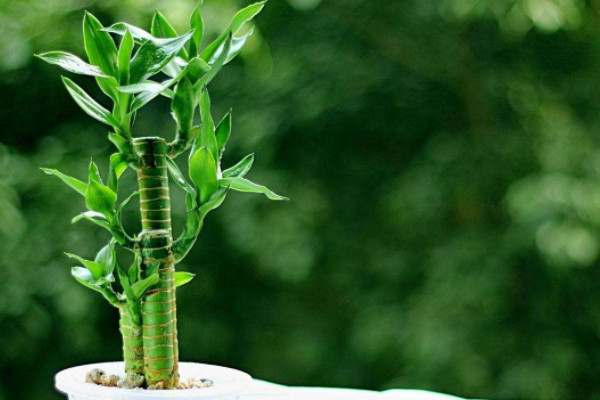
x=156, y=239
x=133, y=351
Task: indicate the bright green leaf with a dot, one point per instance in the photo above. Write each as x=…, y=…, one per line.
x=207, y=136
x=161, y=28
x=154, y=55
x=89, y=105
x=99, y=46
x=101, y=199
x=121, y=28
x=182, y=105
x=244, y=185
x=107, y=259
x=71, y=63
x=203, y=171
x=124, y=57
x=240, y=169
x=141, y=287
x=181, y=278
x=223, y=132
x=177, y=176
x=79, y=186
x=95, y=268
x=197, y=25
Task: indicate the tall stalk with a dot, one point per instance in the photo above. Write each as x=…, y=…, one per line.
x=158, y=304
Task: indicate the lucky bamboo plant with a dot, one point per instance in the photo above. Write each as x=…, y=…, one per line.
x=182, y=68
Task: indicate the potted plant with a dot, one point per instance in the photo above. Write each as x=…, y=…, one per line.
x=142, y=67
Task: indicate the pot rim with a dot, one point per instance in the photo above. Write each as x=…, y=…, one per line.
x=228, y=383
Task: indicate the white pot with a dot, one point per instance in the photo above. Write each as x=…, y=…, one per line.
x=228, y=384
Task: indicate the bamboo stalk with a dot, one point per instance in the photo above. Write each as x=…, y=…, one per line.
x=159, y=331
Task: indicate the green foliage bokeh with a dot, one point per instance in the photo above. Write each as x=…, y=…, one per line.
x=443, y=161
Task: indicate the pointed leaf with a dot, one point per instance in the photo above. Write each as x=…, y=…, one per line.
x=237, y=44
x=121, y=28
x=182, y=105
x=203, y=171
x=95, y=269
x=124, y=57
x=107, y=258
x=177, y=176
x=89, y=105
x=71, y=63
x=94, y=173
x=101, y=199
x=126, y=201
x=244, y=185
x=207, y=130
x=141, y=287
x=217, y=63
x=240, y=169
x=94, y=217
x=77, y=185
x=134, y=270
x=154, y=55
x=181, y=278
x=197, y=25
x=118, y=165
x=99, y=46
x=239, y=19
x=161, y=28
x=223, y=132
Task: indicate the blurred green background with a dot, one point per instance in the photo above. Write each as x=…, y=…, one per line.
x=443, y=161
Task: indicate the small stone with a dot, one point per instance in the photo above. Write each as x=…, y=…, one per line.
x=157, y=386
x=195, y=383
x=95, y=376
x=131, y=381
x=109, y=380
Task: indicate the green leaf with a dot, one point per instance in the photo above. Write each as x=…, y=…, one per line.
x=182, y=105
x=197, y=67
x=240, y=169
x=95, y=268
x=124, y=281
x=118, y=165
x=181, y=278
x=99, y=46
x=94, y=217
x=141, y=287
x=239, y=19
x=237, y=44
x=122, y=144
x=244, y=15
x=177, y=176
x=101, y=199
x=107, y=258
x=134, y=269
x=161, y=28
x=207, y=130
x=197, y=25
x=121, y=28
x=126, y=201
x=203, y=171
x=89, y=105
x=71, y=63
x=124, y=57
x=154, y=55
x=244, y=185
x=217, y=63
x=77, y=185
x=147, y=86
x=223, y=132
x=94, y=173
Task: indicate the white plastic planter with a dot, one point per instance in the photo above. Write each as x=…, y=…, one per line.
x=228, y=384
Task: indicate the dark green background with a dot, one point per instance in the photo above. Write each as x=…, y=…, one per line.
x=443, y=161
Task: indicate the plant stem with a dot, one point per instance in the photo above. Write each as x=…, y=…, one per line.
x=133, y=352
x=156, y=240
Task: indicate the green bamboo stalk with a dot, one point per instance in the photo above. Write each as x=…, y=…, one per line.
x=133, y=352
x=156, y=240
